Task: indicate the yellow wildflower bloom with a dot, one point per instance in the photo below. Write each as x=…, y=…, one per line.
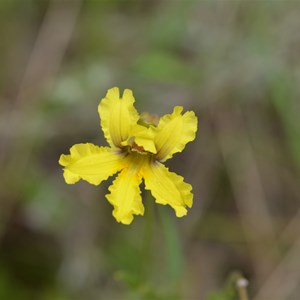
x=137, y=150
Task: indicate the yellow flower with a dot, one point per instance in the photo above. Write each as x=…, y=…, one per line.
x=137, y=150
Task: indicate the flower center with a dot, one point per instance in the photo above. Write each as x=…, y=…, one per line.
x=137, y=148
x=133, y=147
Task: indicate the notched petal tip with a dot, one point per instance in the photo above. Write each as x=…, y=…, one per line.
x=126, y=220
x=180, y=211
x=128, y=94
x=177, y=110
x=70, y=178
x=64, y=160
x=113, y=93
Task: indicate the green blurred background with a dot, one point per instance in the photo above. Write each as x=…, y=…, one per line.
x=235, y=63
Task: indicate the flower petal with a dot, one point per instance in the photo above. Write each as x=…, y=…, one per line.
x=144, y=137
x=117, y=116
x=91, y=163
x=174, y=131
x=167, y=187
x=125, y=195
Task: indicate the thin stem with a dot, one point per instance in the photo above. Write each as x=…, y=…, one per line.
x=172, y=246
x=148, y=235
x=241, y=285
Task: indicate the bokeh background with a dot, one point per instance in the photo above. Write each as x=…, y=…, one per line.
x=235, y=63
